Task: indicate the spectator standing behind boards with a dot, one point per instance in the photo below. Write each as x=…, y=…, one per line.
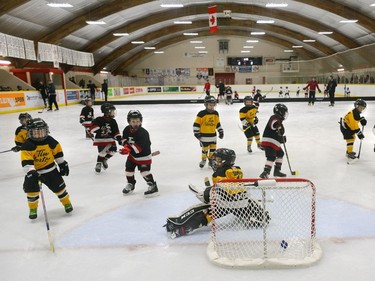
x=331, y=87
x=312, y=86
x=207, y=88
x=92, y=88
x=221, y=88
x=105, y=89
x=52, y=96
x=43, y=92
x=82, y=83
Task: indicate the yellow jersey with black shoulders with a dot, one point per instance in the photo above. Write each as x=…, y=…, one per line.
x=351, y=120
x=247, y=115
x=20, y=135
x=41, y=156
x=206, y=123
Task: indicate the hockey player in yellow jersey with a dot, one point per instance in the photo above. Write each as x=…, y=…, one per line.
x=206, y=123
x=39, y=155
x=349, y=126
x=199, y=215
x=20, y=135
x=249, y=120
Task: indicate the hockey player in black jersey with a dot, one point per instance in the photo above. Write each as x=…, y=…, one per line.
x=249, y=122
x=273, y=137
x=199, y=215
x=39, y=155
x=106, y=131
x=257, y=98
x=86, y=117
x=137, y=139
x=20, y=135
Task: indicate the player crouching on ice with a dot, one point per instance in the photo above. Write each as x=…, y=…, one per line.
x=39, y=155
x=349, y=126
x=273, y=137
x=199, y=215
x=136, y=140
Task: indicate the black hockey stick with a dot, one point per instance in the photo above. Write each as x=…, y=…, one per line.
x=5, y=151
x=360, y=144
x=287, y=157
x=267, y=93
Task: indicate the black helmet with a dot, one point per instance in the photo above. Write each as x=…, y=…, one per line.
x=24, y=117
x=281, y=110
x=360, y=102
x=108, y=109
x=209, y=99
x=134, y=114
x=228, y=156
x=37, y=129
x=246, y=98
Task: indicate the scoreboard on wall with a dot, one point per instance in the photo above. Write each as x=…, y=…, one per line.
x=244, y=61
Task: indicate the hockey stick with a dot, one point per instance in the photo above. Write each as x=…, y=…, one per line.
x=51, y=245
x=42, y=110
x=294, y=173
x=267, y=93
x=5, y=151
x=360, y=144
x=244, y=130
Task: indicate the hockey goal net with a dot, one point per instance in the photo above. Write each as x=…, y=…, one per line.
x=263, y=223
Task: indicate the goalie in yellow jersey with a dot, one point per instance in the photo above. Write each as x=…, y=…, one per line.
x=205, y=126
x=199, y=215
x=39, y=155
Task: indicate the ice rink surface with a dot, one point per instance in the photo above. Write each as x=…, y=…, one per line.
x=112, y=237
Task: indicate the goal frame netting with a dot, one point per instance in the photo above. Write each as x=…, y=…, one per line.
x=288, y=239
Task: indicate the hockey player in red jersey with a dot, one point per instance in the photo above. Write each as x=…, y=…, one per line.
x=312, y=86
x=199, y=215
x=137, y=139
x=86, y=117
x=273, y=137
x=106, y=131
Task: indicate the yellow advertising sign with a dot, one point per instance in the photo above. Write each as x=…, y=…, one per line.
x=12, y=99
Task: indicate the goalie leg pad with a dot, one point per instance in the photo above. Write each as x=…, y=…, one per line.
x=190, y=220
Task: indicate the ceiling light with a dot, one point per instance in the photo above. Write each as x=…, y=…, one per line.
x=252, y=41
x=288, y=51
x=5, y=62
x=149, y=48
x=309, y=40
x=348, y=21
x=158, y=52
x=196, y=42
x=245, y=51
x=202, y=52
x=325, y=32
x=265, y=21
x=297, y=46
x=200, y=47
x=121, y=34
x=340, y=69
x=191, y=33
x=137, y=42
x=171, y=5
x=95, y=22
x=103, y=72
x=257, y=33
x=183, y=22
x=60, y=5
x=248, y=47
x=276, y=5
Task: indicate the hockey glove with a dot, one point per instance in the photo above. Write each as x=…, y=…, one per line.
x=197, y=135
x=283, y=139
x=363, y=121
x=64, y=168
x=221, y=134
x=16, y=148
x=119, y=140
x=280, y=131
x=360, y=135
x=81, y=120
x=125, y=150
x=256, y=120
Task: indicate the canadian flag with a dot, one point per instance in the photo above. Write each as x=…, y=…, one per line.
x=212, y=18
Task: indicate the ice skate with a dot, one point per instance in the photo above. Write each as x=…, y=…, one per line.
x=265, y=174
x=277, y=173
x=202, y=163
x=33, y=214
x=249, y=148
x=128, y=188
x=152, y=190
x=68, y=208
x=351, y=155
x=105, y=164
x=98, y=168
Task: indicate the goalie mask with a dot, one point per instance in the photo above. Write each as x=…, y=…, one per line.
x=24, y=117
x=108, y=110
x=37, y=129
x=227, y=156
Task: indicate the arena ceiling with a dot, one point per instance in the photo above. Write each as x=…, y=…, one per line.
x=145, y=20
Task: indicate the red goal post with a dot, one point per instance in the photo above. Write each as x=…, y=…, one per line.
x=263, y=223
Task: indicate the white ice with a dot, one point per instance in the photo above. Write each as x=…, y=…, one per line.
x=112, y=237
